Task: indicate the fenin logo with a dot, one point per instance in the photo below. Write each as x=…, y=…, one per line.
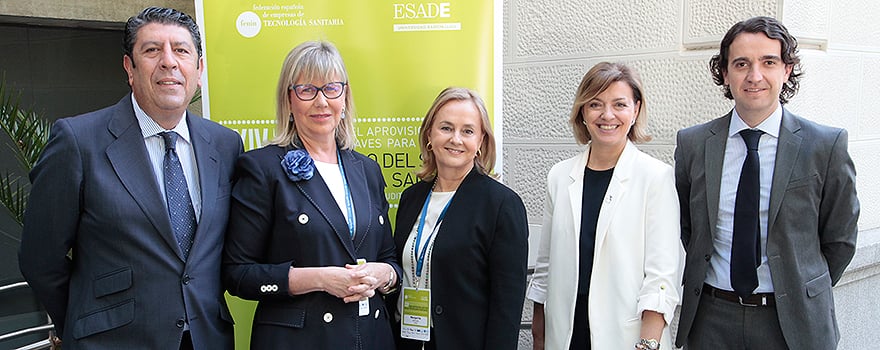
x=248, y=24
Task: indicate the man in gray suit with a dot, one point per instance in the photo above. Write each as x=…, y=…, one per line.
x=124, y=228
x=768, y=215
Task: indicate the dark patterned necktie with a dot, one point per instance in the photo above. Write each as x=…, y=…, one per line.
x=180, y=208
x=745, y=253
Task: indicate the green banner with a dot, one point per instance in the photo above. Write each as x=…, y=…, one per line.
x=399, y=56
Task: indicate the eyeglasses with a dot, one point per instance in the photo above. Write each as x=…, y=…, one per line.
x=308, y=92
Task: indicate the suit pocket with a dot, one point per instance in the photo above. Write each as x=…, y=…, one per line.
x=113, y=316
x=818, y=285
x=802, y=181
x=112, y=282
x=281, y=316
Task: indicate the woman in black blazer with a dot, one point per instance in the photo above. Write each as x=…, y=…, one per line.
x=468, y=230
x=308, y=235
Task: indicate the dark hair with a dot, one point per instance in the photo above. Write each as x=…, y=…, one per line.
x=594, y=83
x=158, y=15
x=774, y=30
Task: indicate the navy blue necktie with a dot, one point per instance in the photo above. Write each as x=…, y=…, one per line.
x=745, y=253
x=180, y=208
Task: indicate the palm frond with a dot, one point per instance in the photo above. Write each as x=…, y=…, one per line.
x=28, y=134
x=13, y=195
x=27, y=130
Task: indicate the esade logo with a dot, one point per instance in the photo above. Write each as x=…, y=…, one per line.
x=423, y=10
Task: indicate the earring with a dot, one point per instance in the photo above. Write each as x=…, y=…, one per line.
x=343, y=113
x=633, y=122
x=478, y=152
x=291, y=117
x=428, y=146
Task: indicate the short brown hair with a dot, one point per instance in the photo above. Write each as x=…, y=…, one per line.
x=596, y=81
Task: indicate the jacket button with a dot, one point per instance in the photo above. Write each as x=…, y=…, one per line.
x=438, y=309
x=328, y=317
x=186, y=279
x=180, y=323
x=696, y=291
x=707, y=257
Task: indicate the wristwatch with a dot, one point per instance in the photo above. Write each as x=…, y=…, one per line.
x=648, y=344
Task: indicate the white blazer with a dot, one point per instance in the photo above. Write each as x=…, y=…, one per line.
x=636, y=262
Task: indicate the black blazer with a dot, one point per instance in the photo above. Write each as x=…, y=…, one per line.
x=478, y=264
x=127, y=286
x=276, y=223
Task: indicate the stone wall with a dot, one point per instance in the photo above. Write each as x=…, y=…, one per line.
x=549, y=46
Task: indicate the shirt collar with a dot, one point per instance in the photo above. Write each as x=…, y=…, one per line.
x=769, y=126
x=149, y=127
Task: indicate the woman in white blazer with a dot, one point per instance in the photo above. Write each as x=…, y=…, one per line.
x=607, y=273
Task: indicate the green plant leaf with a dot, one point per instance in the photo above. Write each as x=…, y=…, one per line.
x=28, y=133
x=13, y=195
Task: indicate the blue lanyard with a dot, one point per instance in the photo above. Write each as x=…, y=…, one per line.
x=420, y=259
x=350, y=219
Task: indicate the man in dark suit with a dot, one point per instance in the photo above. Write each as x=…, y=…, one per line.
x=769, y=214
x=124, y=228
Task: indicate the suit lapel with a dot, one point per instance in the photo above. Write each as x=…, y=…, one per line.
x=317, y=193
x=713, y=160
x=614, y=193
x=209, y=176
x=360, y=196
x=407, y=215
x=786, y=154
x=576, y=192
x=129, y=159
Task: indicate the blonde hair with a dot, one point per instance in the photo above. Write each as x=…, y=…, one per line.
x=485, y=159
x=311, y=60
x=596, y=81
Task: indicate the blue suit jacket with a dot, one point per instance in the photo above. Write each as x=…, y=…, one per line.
x=127, y=286
x=811, y=232
x=276, y=223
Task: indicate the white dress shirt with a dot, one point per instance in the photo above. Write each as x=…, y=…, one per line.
x=734, y=157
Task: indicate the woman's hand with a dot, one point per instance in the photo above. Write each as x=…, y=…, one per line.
x=375, y=275
x=334, y=280
x=350, y=283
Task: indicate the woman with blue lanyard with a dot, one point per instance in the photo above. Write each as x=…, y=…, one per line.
x=462, y=237
x=308, y=235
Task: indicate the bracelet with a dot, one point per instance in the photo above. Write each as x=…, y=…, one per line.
x=648, y=344
x=387, y=287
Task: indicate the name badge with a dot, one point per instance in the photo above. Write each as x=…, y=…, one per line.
x=363, y=304
x=415, y=320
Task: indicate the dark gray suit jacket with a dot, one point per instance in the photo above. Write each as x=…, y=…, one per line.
x=127, y=286
x=811, y=225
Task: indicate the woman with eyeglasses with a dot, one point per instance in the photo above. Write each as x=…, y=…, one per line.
x=462, y=237
x=308, y=235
